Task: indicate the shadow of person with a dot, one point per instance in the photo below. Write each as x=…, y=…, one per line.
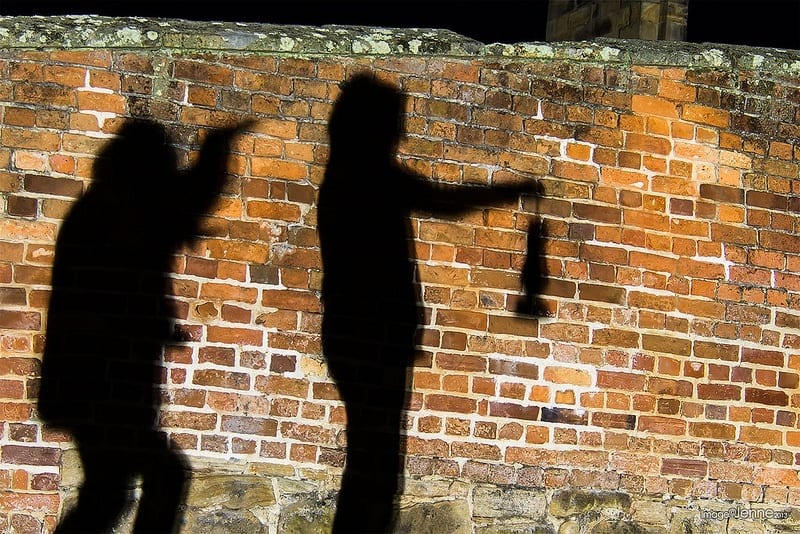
x=371, y=304
x=110, y=316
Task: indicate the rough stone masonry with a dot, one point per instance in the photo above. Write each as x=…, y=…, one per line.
x=657, y=394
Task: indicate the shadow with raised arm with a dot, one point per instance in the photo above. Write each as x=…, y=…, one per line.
x=110, y=317
x=372, y=306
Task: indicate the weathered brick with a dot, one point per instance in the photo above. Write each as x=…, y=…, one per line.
x=462, y=319
x=613, y=420
x=514, y=368
x=513, y=411
x=720, y=431
x=449, y=403
x=650, y=105
x=667, y=344
x=566, y=375
x=719, y=392
x=603, y=214
x=280, y=386
x=20, y=320
x=602, y=293
x=190, y=420
x=763, y=357
x=621, y=380
x=30, y=455
x=662, y=425
x=706, y=115
x=249, y=425
x=224, y=379
x=717, y=351
x=460, y=362
x=614, y=337
x=575, y=171
x=684, y=467
x=764, y=396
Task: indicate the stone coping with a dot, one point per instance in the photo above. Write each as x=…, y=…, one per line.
x=99, y=32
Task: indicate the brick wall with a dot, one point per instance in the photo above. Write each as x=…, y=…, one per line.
x=666, y=365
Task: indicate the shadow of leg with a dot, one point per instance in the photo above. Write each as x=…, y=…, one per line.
x=165, y=482
x=374, y=398
x=103, y=496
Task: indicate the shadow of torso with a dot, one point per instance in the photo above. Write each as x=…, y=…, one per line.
x=371, y=314
x=108, y=318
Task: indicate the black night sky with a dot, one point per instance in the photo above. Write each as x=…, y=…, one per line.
x=771, y=23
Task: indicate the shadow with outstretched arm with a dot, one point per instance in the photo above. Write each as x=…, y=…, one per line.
x=371, y=304
x=110, y=317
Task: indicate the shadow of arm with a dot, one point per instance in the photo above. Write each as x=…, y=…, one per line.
x=445, y=199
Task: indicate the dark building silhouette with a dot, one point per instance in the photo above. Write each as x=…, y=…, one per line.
x=371, y=303
x=576, y=20
x=110, y=316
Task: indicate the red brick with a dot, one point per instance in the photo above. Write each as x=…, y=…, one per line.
x=191, y=420
x=291, y=300
x=662, y=425
x=514, y=411
x=517, y=326
x=449, y=403
x=475, y=450
x=620, y=380
x=20, y=320
x=575, y=171
x=566, y=375
x=282, y=386
x=719, y=392
x=613, y=420
x=706, y=115
x=215, y=290
x=514, y=368
x=615, y=338
x=610, y=294
x=763, y=357
x=571, y=333
x=764, y=396
x=684, y=467
x=667, y=344
x=224, y=379
x=648, y=144
x=720, y=431
x=202, y=72
x=717, y=351
x=280, y=211
x=30, y=139
x=462, y=319
x=249, y=425
x=106, y=102
x=30, y=455
x=33, y=502
x=238, y=336
x=603, y=214
x=650, y=105
x=460, y=362
x=218, y=355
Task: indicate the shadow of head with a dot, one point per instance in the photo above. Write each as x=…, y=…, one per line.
x=367, y=119
x=138, y=160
